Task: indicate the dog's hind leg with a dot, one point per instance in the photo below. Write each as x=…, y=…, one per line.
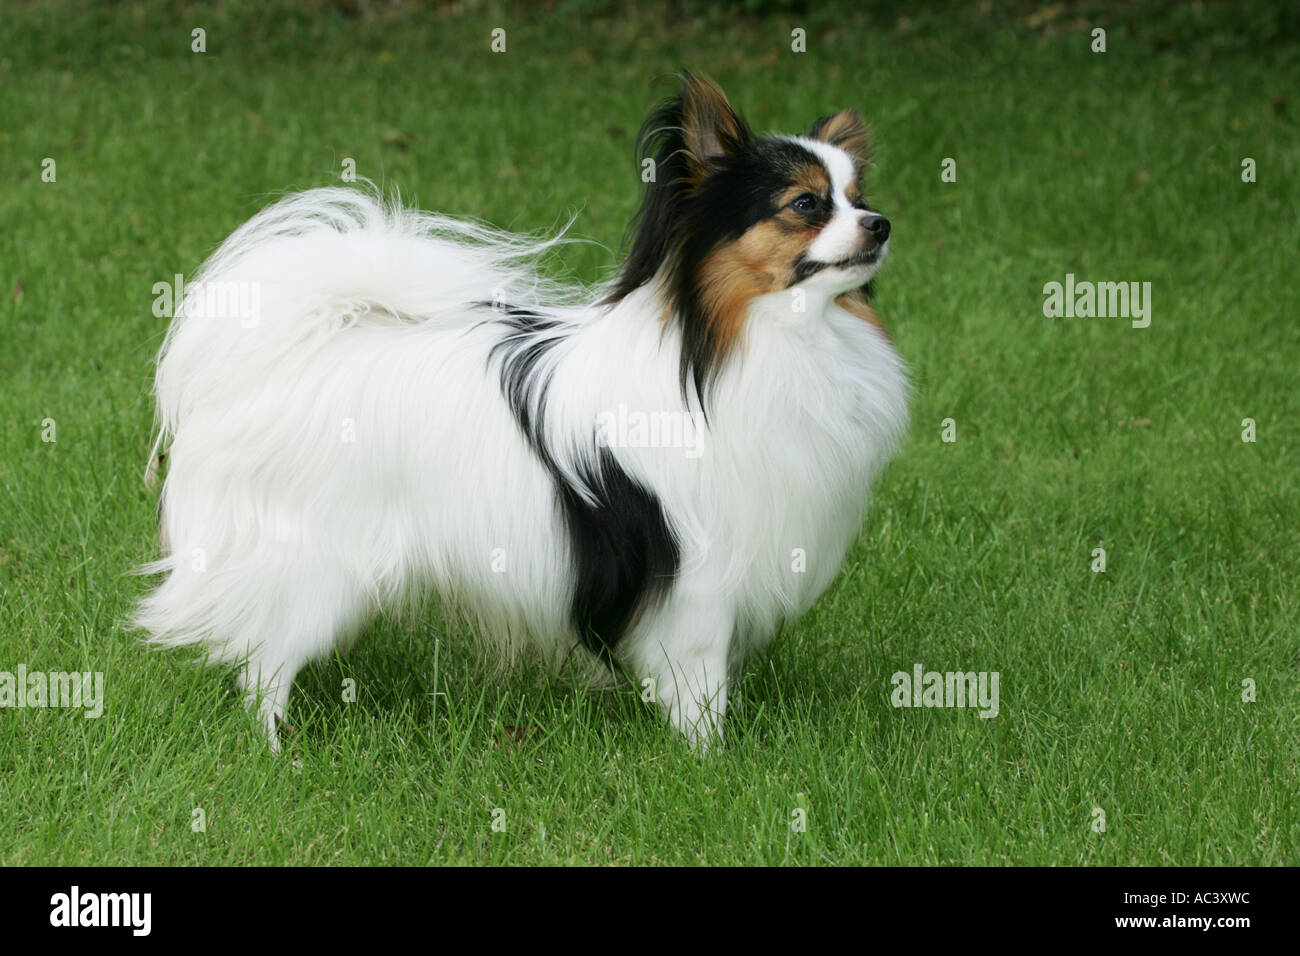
x=304, y=614
x=266, y=686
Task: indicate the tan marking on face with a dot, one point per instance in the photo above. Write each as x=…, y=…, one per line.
x=855, y=304
x=759, y=262
x=811, y=178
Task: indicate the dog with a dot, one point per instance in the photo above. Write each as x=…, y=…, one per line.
x=361, y=403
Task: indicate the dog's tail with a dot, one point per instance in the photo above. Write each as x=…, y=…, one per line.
x=321, y=261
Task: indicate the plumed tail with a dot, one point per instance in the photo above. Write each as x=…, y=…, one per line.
x=327, y=259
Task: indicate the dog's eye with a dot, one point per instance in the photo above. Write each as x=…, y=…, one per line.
x=806, y=203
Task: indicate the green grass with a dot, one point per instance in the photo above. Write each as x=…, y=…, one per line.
x=1120, y=690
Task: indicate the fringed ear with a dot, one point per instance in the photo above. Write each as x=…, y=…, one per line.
x=846, y=130
x=680, y=143
x=711, y=129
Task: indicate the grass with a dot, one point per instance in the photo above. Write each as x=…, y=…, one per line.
x=1120, y=691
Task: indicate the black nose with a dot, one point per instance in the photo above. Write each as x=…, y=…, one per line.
x=878, y=226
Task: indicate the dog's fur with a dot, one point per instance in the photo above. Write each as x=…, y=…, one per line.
x=410, y=407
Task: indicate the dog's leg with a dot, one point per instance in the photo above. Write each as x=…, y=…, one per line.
x=305, y=611
x=266, y=686
x=684, y=651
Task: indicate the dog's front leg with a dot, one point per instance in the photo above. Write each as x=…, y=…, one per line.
x=684, y=654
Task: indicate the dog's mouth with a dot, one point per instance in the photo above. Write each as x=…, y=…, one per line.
x=806, y=268
x=863, y=259
x=867, y=257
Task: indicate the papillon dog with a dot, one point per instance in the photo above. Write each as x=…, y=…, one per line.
x=360, y=403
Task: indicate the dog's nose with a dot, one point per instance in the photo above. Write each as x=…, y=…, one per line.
x=878, y=227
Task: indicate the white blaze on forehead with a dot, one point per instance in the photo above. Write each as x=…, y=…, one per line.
x=837, y=164
x=841, y=236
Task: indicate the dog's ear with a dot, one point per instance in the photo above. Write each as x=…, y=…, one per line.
x=711, y=129
x=846, y=130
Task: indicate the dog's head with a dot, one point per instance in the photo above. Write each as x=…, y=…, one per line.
x=729, y=216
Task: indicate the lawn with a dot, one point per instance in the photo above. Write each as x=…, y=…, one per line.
x=1149, y=712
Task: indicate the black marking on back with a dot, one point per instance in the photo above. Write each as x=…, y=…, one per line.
x=625, y=556
x=529, y=337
